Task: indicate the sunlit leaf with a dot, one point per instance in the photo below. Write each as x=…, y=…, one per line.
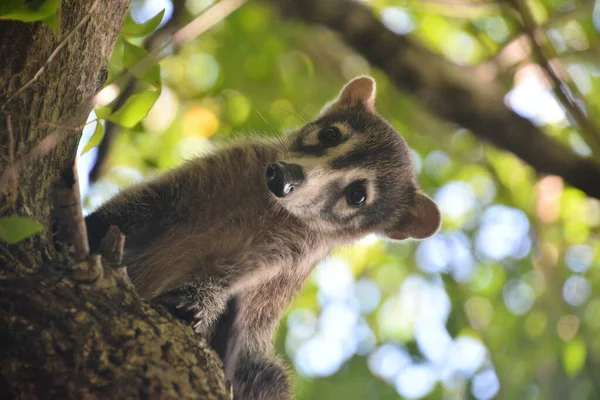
x=15, y=229
x=135, y=109
x=102, y=112
x=115, y=65
x=8, y=6
x=53, y=22
x=133, y=29
x=141, y=64
x=95, y=139
x=28, y=11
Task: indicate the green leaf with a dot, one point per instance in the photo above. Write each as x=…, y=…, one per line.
x=15, y=229
x=115, y=65
x=142, y=65
x=574, y=357
x=52, y=22
x=8, y=6
x=135, y=109
x=102, y=112
x=95, y=139
x=132, y=29
x=31, y=11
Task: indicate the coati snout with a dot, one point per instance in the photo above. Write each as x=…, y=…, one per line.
x=282, y=178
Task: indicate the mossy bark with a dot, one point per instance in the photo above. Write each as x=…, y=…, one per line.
x=74, y=328
x=92, y=337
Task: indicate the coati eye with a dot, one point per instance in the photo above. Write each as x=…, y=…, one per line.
x=356, y=194
x=330, y=136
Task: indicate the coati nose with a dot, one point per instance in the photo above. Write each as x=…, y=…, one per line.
x=282, y=178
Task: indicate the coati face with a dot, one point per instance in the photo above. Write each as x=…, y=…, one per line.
x=350, y=173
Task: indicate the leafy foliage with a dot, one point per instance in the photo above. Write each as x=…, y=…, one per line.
x=95, y=139
x=132, y=29
x=28, y=11
x=32, y=11
x=503, y=301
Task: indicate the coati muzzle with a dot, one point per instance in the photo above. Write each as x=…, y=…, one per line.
x=282, y=178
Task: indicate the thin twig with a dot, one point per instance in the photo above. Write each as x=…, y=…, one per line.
x=205, y=21
x=53, y=55
x=558, y=86
x=584, y=9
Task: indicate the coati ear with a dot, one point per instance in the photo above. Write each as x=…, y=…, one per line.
x=360, y=90
x=422, y=221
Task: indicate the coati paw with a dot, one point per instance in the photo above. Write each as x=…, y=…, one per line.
x=178, y=303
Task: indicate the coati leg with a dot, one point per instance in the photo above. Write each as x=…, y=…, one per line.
x=223, y=329
x=256, y=374
x=197, y=302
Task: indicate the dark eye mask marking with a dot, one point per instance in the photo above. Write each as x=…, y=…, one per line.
x=316, y=150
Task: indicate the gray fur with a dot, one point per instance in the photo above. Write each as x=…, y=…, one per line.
x=210, y=231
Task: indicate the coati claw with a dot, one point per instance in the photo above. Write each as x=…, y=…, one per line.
x=178, y=303
x=198, y=326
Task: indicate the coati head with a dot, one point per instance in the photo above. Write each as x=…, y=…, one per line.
x=350, y=173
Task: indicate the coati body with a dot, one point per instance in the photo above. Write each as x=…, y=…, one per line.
x=226, y=240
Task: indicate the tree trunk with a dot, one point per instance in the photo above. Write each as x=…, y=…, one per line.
x=70, y=324
x=56, y=105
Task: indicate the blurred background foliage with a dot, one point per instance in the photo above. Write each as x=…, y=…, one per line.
x=503, y=302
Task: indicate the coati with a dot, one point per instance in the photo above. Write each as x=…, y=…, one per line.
x=226, y=240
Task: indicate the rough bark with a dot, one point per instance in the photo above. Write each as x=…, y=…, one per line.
x=71, y=327
x=453, y=93
x=88, y=335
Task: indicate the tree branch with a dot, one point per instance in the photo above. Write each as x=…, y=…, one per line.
x=583, y=9
x=562, y=93
x=451, y=92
